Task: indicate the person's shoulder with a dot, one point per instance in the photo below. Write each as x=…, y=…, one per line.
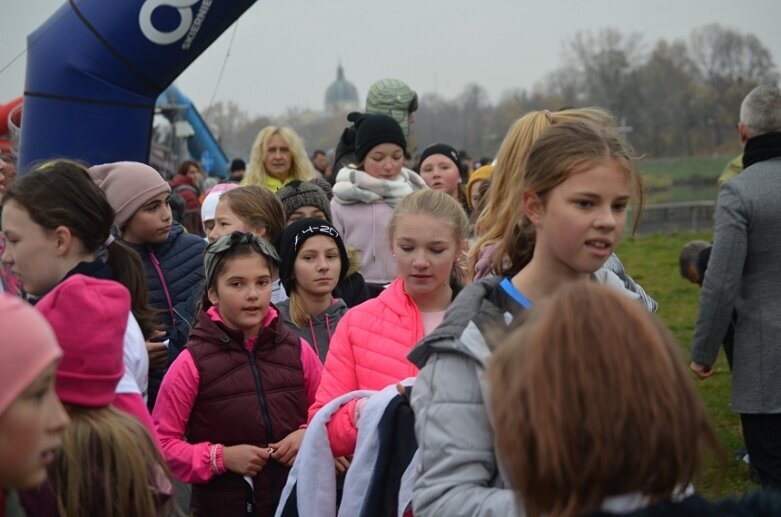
x=180, y=239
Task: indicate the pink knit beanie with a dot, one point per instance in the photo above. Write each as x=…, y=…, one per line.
x=27, y=347
x=128, y=185
x=89, y=317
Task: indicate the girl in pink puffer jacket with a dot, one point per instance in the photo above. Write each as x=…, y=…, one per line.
x=427, y=236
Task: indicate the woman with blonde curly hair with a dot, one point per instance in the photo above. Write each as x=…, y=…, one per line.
x=277, y=158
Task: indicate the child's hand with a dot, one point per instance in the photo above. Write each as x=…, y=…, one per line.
x=158, y=352
x=342, y=464
x=286, y=450
x=246, y=460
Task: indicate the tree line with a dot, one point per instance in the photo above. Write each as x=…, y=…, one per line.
x=673, y=98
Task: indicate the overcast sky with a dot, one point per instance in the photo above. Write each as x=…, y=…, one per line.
x=285, y=53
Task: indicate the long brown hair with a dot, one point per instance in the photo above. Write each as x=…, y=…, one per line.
x=500, y=208
x=591, y=399
x=61, y=193
x=560, y=151
x=109, y=465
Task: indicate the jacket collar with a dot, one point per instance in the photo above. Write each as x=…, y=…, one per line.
x=761, y=148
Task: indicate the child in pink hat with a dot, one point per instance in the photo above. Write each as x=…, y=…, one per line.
x=87, y=316
x=32, y=419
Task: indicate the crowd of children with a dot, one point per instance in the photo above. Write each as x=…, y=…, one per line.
x=137, y=358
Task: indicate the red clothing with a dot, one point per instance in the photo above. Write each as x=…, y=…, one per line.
x=190, y=462
x=368, y=351
x=189, y=191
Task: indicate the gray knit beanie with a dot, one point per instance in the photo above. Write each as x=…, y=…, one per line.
x=316, y=193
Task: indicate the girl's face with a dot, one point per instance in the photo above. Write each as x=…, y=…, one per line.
x=279, y=159
x=440, y=173
x=384, y=161
x=151, y=223
x=304, y=212
x=475, y=194
x=243, y=293
x=31, y=251
x=317, y=266
x=30, y=433
x=226, y=221
x=583, y=219
x=426, y=250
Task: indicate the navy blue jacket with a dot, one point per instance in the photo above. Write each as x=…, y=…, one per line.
x=180, y=260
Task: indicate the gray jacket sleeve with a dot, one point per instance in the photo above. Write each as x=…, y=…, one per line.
x=721, y=287
x=458, y=472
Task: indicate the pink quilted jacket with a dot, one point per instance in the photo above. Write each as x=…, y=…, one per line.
x=368, y=351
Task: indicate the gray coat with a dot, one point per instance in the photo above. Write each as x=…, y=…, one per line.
x=744, y=274
x=458, y=472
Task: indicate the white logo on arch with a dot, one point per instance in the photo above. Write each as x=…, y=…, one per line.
x=155, y=35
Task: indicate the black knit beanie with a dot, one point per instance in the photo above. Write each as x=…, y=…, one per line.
x=373, y=130
x=293, y=238
x=442, y=149
x=314, y=193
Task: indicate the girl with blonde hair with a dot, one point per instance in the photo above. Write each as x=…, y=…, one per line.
x=489, y=254
x=278, y=157
x=570, y=212
x=427, y=234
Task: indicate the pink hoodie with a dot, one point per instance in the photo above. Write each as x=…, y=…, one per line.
x=368, y=351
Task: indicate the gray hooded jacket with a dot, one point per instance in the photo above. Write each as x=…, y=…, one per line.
x=458, y=472
x=320, y=328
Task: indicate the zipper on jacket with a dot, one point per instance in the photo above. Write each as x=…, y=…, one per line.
x=164, y=284
x=265, y=413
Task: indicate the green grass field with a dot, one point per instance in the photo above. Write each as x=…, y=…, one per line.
x=682, y=179
x=682, y=168
x=653, y=263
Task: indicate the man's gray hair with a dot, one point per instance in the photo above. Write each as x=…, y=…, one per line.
x=760, y=111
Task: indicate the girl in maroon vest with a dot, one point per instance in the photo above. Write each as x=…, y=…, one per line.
x=239, y=392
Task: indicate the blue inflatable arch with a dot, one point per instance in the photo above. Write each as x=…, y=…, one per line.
x=95, y=69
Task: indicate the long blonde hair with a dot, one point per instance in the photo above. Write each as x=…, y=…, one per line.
x=591, y=399
x=500, y=207
x=300, y=167
x=109, y=465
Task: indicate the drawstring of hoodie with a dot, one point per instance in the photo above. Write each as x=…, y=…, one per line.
x=314, y=338
x=328, y=327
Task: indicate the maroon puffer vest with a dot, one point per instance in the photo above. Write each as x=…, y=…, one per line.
x=244, y=398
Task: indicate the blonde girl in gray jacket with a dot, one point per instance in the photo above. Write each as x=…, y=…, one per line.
x=578, y=183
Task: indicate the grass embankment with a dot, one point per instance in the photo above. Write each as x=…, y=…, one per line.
x=682, y=179
x=653, y=263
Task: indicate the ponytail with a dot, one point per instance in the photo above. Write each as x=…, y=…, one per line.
x=298, y=313
x=128, y=269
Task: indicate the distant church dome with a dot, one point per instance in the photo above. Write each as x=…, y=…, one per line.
x=341, y=95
